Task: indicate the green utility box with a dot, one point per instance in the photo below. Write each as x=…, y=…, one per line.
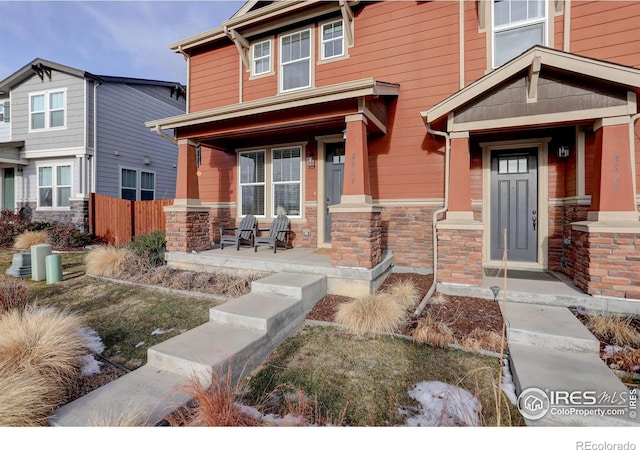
x=54, y=268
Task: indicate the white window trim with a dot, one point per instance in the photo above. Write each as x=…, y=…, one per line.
x=270, y=71
x=54, y=186
x=138, y=181
x=47, y=110
x=310, y=59
x=545, y=32
x=322, y=41
x=268, y=181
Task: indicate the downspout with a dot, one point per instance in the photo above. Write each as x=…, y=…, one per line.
x=94, y=166
x=633, y=154
x=168, y=137
x=436, y=213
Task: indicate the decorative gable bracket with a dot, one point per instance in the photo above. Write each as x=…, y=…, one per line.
x=41, y=70
x=532, y=79
x=241, y=44
x=347, y=17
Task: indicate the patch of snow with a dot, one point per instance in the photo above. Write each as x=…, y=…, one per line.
x=90, y=366
x=508, y=386
x=91, y=339
x=270, y=419
x=139, y=344
x=610, y=350
x=442, y=404
x=159, y=331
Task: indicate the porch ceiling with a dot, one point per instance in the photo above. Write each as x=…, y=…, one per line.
x=541, y=86
x=324, y=106
x=10, y=153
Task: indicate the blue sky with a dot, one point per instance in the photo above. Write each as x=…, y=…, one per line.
x=118, y=38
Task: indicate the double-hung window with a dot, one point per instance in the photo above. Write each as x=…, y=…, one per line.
x=252, y=182
x=5, y=112
x=295, y=61
x=276, y=171
x=261, y=56
x=332, y=39
x=137, y=184
x=517, y=26
x=286, y=181
x=54, y=186
x=47, y=110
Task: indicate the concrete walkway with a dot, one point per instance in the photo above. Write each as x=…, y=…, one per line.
x=551, y=350
x=240, y=334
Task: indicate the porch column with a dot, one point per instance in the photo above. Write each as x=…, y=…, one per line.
x=187, y=221
x=459, y=235
x=356, y=224
x=607, y=244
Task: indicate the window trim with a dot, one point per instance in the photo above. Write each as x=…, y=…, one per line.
x=268, y=183
x=310, y=60
x=321, y=41
x=54, y=185
x=270, y=71
x=47, y=110
x=138, y=188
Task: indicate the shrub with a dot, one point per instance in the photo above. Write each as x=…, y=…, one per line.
x=40, y=359
x=66, y=235
x=107, y=261
x=11, y=225
x=378, y=313
x=152, y=245
x=27, y=239
x=13, y=294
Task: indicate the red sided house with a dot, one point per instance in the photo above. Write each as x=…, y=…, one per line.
x=420, y=131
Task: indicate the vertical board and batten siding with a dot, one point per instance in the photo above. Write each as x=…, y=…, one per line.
x=118, y=221
x=122, y=112
x=72, y=135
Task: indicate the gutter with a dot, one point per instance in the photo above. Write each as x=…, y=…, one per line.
x=168, y=137
x=436, y=213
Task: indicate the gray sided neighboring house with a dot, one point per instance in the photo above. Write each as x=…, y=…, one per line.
x=66, y=133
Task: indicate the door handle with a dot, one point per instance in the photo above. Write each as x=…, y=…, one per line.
x=534, y=218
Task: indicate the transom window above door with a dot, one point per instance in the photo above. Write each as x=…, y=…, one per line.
x=517, y=26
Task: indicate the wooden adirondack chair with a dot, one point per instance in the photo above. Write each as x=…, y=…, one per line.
x=278, y=233
x=244, y=234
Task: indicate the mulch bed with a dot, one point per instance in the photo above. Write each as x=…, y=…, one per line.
x=461, y=314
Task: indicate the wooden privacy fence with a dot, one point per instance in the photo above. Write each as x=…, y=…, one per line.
x=117, y=221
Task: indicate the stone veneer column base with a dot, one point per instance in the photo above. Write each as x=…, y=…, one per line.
x=356, y=235
x=460, y=252
x=607, y=261
x=187, y=228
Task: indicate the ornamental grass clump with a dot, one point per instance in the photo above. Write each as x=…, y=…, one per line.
x=429, y=331
x=13, y=294
x=28, y=239
x=107, y=261
x=405, y=292
x=376, y=313
x=616, y=330
x=40, y=360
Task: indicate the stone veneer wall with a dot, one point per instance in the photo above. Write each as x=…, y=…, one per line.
x=356, y=239
x=608, y=263
x=187, y=231
x=562, y=256
x=460, y=256
x=78, y=213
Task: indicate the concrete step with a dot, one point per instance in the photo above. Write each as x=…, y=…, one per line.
x=197, y=351
x=311, y=288
x=149, y=392
x=554, y=370
x=258, y=311
x=553, y=327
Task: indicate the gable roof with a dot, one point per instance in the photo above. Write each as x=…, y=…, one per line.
x=628, y=77
x=39, y=65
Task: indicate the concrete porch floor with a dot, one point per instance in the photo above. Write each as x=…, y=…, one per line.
x=340, y=280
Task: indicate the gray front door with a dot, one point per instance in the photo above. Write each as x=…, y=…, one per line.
x=334, y=177
x=514, y=204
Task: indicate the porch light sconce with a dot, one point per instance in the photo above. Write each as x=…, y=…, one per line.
x=198, y=155
x=20, y=169
x=311, y=160
x=563, y=151
x=146, y=160
x=344, y=134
